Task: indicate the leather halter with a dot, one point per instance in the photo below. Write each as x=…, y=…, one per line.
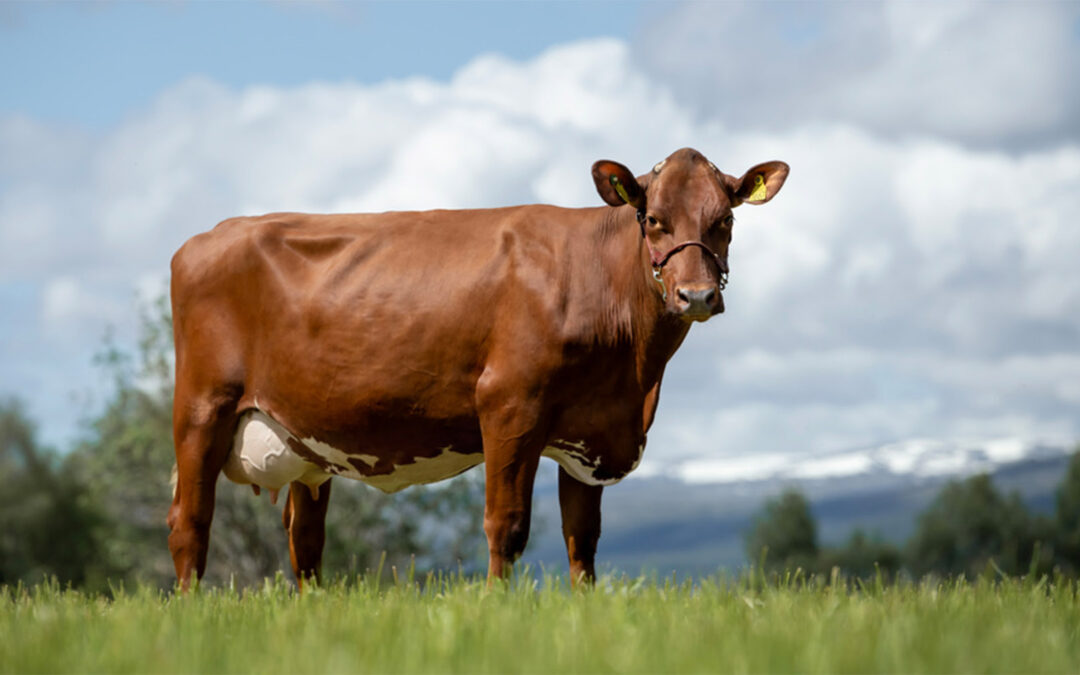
x=659, y=260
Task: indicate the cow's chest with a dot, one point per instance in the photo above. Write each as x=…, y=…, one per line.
x=266, y=454
x=588, y=466
x=602, y=442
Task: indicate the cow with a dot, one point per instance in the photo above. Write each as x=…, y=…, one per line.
x=404, y=348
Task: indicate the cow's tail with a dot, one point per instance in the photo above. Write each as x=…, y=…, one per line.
x=174, y=478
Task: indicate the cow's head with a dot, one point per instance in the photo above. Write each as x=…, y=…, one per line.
x=684, y=206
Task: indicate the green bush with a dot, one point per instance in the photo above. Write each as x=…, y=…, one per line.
x=971, y=526
x=863, y=556
x=785, y=533
x=1067, y=517
x=39, y=498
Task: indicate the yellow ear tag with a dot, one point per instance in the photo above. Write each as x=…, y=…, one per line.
x=759, y=192
x=620, y=189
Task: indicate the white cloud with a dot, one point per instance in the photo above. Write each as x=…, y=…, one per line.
x=71, y=307
x=63, y=300
x=897, y=288
x=978, y=72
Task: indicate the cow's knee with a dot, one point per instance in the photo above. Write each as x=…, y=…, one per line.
x=173, y=517
x=189, y=522
x=507, y=535
x=188, y=533
x=189, y=543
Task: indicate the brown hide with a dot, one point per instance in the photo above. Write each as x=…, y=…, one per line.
x=404, y=347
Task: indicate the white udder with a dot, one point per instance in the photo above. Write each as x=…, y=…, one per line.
x=261, y=456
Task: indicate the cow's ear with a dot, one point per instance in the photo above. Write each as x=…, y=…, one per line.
x=616, y=185
x=759, y=184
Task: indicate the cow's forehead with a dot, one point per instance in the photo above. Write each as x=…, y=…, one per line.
x=688, y=169
x=687, y=157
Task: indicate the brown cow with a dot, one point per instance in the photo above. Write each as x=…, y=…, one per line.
x=405, y=348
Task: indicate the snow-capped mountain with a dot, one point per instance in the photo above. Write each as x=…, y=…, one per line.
x=914, y=458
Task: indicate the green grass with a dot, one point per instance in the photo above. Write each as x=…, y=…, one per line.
x=623, y=625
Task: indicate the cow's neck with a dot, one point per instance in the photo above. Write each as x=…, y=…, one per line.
x=655, y=334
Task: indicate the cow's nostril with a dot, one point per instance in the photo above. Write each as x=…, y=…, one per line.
x=697, y=301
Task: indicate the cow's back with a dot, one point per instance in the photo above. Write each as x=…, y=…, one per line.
x=355, y=323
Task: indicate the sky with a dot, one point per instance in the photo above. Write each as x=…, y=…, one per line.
x=915, y=280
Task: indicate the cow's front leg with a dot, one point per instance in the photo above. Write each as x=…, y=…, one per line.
x=508, y=507
x=304, y=518
x=511, y=455
x=580, y=504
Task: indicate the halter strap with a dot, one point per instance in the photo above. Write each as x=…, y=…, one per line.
x=658, y=260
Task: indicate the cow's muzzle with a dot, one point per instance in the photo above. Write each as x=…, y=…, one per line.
x=698, y=301
x=695, y=301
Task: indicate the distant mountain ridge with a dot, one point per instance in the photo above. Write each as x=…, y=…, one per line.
x=691, y=517
x=918, y=457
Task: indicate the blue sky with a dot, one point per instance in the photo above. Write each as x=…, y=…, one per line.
x=915, y=280
x=91, y=63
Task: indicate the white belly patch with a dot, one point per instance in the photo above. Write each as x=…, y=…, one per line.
x=261, y=456
x=424, y=470
x=573, y=457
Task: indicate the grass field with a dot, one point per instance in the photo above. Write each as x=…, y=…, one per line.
x=623, y=625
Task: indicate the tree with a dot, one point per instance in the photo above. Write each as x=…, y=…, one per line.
x=787, y=531
x=39, y=500
x=1067, y=515
x=968, y=525
x=126, y=459
x=863, y=556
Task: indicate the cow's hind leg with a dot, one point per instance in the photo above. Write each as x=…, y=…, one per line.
x=202, y=430
x=304, y=518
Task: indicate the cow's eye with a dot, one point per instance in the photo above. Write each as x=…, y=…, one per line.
x=653, y=221
x=724, y=223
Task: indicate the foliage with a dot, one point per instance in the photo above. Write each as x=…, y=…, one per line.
x=126, y=456
x=969, y=525
x=970, y=528
x=37, y=499
x=785, y=533
x=863, y=556
x=1067, y=516
x=453, y=624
